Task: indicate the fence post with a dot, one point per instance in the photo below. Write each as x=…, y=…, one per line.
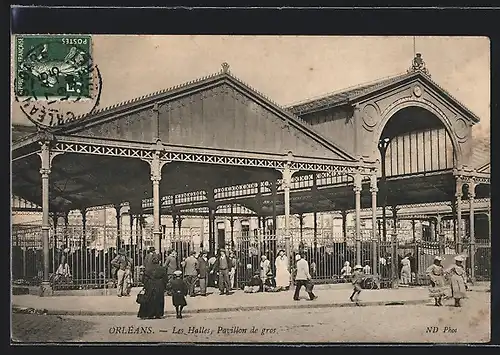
x=394, y=257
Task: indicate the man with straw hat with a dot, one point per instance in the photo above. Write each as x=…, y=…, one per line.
x=435, y=273
x=123, y=264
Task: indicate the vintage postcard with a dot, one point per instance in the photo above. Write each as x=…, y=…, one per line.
x=250, y=189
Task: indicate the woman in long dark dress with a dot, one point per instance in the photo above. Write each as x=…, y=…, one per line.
x=155, y=283
x=179, y=292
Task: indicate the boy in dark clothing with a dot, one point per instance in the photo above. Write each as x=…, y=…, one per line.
x=254, y=284
x=270, y=283
x=357, y=278
x=179, y=293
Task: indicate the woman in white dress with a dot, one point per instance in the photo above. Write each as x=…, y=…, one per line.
x=405, y=271
x=458, y=279
x=282, y=273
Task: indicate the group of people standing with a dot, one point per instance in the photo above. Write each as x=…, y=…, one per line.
x=456, y=276
x=263, y=279
x=179, y=280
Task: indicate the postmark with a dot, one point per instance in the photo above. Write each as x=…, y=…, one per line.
x=56, y=80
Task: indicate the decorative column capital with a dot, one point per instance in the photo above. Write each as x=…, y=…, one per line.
x=45, y=172
x=46, y=157
x=156, y=165
x=287, y=174
x=357, y=182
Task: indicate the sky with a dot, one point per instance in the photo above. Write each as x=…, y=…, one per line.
x=289, y=69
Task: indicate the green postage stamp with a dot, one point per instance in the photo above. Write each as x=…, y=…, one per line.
x=53, y=66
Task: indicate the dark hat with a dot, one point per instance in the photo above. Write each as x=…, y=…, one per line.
x=121, y=251
x=152, y=249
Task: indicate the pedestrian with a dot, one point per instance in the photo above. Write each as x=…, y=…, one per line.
x=302, y=278
x=435, y=273
x=405, y=270
x=212, y=276
x=265, y=266
x=458, y=280
x=367, y=270
x=232, y=272
x=357, y=279
x=203, y=270
x=191, y=272
x=179, y=293
x=170, y=266
x=222, y=265
x=270, y=283
x=345, y=272
x=123, y=264
x=382, y=262
x=282, y=273
x=147, y=260
x=155, y=282
x=63, y=273
x=254, y=284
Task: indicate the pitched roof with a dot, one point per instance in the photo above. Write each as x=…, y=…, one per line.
x=341, y=97
x=20, y=131
x=186, y=88
x=481, y=157
x=345, y=96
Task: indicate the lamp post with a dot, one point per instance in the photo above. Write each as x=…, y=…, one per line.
x=382, y=147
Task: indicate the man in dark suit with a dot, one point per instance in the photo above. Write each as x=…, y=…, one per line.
x=203, y=270
x=223, y=266
x=171, y=266
x=191, y=272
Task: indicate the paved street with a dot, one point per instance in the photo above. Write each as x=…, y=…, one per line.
x=409, y=323
x=111, y=305
x=40, y=328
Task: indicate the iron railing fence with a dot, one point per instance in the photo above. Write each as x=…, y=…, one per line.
x=88, y=254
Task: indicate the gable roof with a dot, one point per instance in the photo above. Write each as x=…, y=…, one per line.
x=480, y=159
x=21, y=131
x=223, y=76
x=349, y=95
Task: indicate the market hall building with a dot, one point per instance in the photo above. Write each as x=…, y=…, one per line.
x=218, y=152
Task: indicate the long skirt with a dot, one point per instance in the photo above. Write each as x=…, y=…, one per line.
x=437, y=289
x=155, y=300
x=282, y=277
x=178, y=299
x=406, y=273
x=457, y=287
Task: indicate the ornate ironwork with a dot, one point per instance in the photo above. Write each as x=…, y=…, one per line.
x=418, y=65
x=237, y=209
x=103, y=150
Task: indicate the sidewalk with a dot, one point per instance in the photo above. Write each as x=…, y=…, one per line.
x=238, y=301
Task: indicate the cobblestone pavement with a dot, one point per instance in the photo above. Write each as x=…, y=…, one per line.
x=410, y=323
x=46, y=328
